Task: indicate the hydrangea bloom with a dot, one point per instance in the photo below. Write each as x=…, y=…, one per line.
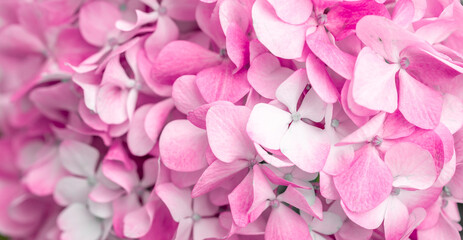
x=231, y=119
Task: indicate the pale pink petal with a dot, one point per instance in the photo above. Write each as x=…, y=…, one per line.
x=75, y=218
x=71, y=190
x=366, y=132
x=341, y=62
x=418, y=103
x=142, y=18
x=263, y=118
x=78, y=158
x=265, y=74
x=403, y=12
x=180, y=58
x=219, y=83
x=183, y=146
x=395, y=219
x=241, y=199
x=320, y=80
x=216, y=174
x=370, y=219
x=177, y=200
x=327, y=187
x=303, y=199
x=103, y=194
x=414, y=220
x=207, y=228
x=373, y=85
x=367, y=183
x=97, y=20
x=452, y=113
x=186, y=94
x=330, y=224
x=234, y=13
x=418, y=171
x=312, y=107
x=203, y=206
x=198, y=115
x=138, y=222
x=185, y=227
x=282, y=39
x=111, y=104
x=456, y=184
x=291, y=89
x=271, y=158
x=350, y=230
x=339, y=159
x=306, y=146
x=292, y=11
x=119, y=174
x=284, y=223
x=138, y=141
x=226, y=132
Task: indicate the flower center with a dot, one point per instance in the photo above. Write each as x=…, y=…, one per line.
x=335, y=123
x=296, y=116
x=112, y=41
x=288, y=177
x=274, y=203
x=395, y=191
x=162, y=10
x=446, y=191
x=196, y=217
x=122, y=7
x=377, y=141
x=404, y=63
x=322, y=18
x=223, y=53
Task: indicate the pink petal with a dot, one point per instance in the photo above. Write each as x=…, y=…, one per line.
x=341, y=62
x=185, y=227
x=304, y=199
x=443, y=229
x=183, y=146
x=71, y=48
x=327, y=187
x=330, y=225
x=418, y=172
x=350, y=230
x=264, y=117
x=373, y=85
x=395, y=219
x=119, y=174
x=292, y=11
x=306, y=146
x=142, y=18
x=366, y=132
x=367, y=183
x=138, y=222
x=291, y=89
x=320, y=80
x=237, y=45
x=138, y=141
x=219, y=83
x=156, y=118
x=404, y=10
x=97, y=20
x=186, y=95
x=241, y=199
x=216, y=174
x=284, y=223
x=266, y=74
x=166, y=31
x=452, y=113
x=177, y=200
x=183, y=10
x=198, y=115
x=282, y=39
x=226, y=132
x=180, y=58
x=419, y=104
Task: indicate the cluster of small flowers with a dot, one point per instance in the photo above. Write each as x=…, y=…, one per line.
x=231, y=119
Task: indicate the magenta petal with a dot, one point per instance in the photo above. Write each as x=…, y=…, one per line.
x=419, y=104
x=226, y=132
x=282, y=39
x=266, y=74
x=320, y=80
x=335, y=58
x=216, y=174
x=183, y=146
x=181, y=58
x=284, y=223
x=219, y=83
x=367, y=183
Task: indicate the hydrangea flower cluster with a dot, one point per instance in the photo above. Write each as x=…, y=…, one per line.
x=231, y=119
